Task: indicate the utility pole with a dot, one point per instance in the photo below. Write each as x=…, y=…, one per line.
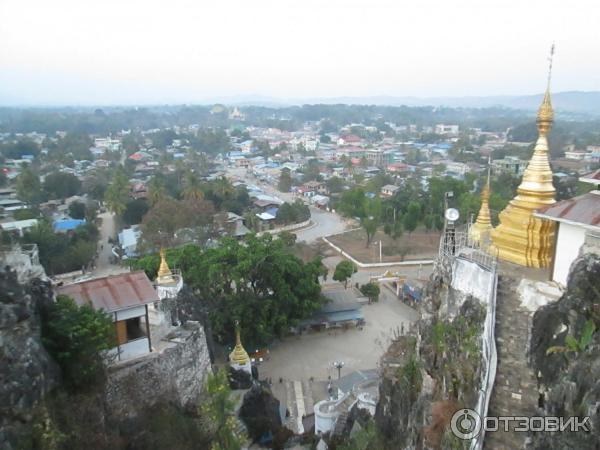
x=380, y=259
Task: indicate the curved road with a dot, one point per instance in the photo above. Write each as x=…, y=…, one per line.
x=325, y=223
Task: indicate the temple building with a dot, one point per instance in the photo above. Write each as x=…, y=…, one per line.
x=480, y=230
x=239, y=358
x=521, y=237
x=578, y=222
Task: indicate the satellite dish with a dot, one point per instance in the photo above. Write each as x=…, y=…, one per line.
x=452, y=214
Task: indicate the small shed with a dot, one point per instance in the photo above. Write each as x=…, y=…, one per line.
x=125, y=297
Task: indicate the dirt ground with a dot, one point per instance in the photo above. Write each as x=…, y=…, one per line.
x=419, y=244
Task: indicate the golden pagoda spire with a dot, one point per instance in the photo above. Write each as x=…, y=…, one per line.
x=239, y=355
x=522, y=238
x=480, y=230
x=164, y=272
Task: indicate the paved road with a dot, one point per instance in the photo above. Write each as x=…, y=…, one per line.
x=325, y=223
x=103, y=264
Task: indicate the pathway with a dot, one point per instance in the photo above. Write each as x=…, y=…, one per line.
x=515, y=388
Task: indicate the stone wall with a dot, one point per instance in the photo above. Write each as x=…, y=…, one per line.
x=174, y=375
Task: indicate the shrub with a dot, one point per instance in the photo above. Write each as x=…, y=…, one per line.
x=77, y=337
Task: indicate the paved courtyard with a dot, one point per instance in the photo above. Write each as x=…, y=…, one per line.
x=312, y=355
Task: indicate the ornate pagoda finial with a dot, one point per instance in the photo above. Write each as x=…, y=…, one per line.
x=545, y=115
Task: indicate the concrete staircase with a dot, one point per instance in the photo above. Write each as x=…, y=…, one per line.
x=515, y=389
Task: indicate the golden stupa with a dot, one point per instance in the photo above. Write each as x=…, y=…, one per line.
x=522, y=238
x=480, y=230
x=239, y=355
x=165, y=276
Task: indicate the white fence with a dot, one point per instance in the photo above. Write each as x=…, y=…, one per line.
x=381, y=264
x=459, y=249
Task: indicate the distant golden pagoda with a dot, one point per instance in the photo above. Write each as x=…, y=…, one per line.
x=239, y=356
x=165, y=276
x=522, y=238
x=480, y=230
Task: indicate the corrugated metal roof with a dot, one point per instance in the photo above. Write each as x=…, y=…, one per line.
x=112, y=293
x=584, y=209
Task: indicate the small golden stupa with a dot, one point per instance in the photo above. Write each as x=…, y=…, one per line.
x=165, y=276
x=239, y=355
x=522, y=238
x=480, y=230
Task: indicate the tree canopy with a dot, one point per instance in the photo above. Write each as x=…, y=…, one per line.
x=344, y=271
x=77, y=337
x=258, y=282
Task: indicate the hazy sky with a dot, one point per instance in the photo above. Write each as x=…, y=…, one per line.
x=147, y=51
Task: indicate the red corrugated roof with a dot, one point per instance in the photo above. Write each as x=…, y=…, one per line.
x=584, y=209
x=112, y=293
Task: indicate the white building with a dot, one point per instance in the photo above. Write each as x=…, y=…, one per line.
x=19, y=226
x=441, y=128
x=575, y=218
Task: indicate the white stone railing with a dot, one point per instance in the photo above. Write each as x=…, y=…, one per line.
x=291, y=227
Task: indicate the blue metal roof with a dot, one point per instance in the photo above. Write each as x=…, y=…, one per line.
x=67, y=224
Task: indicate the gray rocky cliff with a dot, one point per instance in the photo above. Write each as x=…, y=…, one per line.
x=428, y=375
x=568, y=377
x=27, y=373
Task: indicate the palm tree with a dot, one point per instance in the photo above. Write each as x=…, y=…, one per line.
x=117, y=194
x=192, y=187
x=157, y=190
x=223, y=188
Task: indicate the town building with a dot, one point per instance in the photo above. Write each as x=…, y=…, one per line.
x=389, y=190
x=446, y=129
x=511, y=165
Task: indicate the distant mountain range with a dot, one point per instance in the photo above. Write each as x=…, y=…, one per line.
x=564, y=102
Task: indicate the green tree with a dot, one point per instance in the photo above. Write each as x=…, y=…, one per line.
x=25, y=214
x=77, y=210
x=219, y=412
x=369, y=224
x=59, y=185
x=288, y=238
x=96, y=183
x=165, y=218
x=371, y=291
x=412, y=217
x=335, y=185
x=344, y=271
x=192, y=187
x=77, y=337
x=117, y=194
x=28, y=186
x=257, y=281
x=292, y=213
x=157, y=189
x=285, y=180
x=135, y=211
